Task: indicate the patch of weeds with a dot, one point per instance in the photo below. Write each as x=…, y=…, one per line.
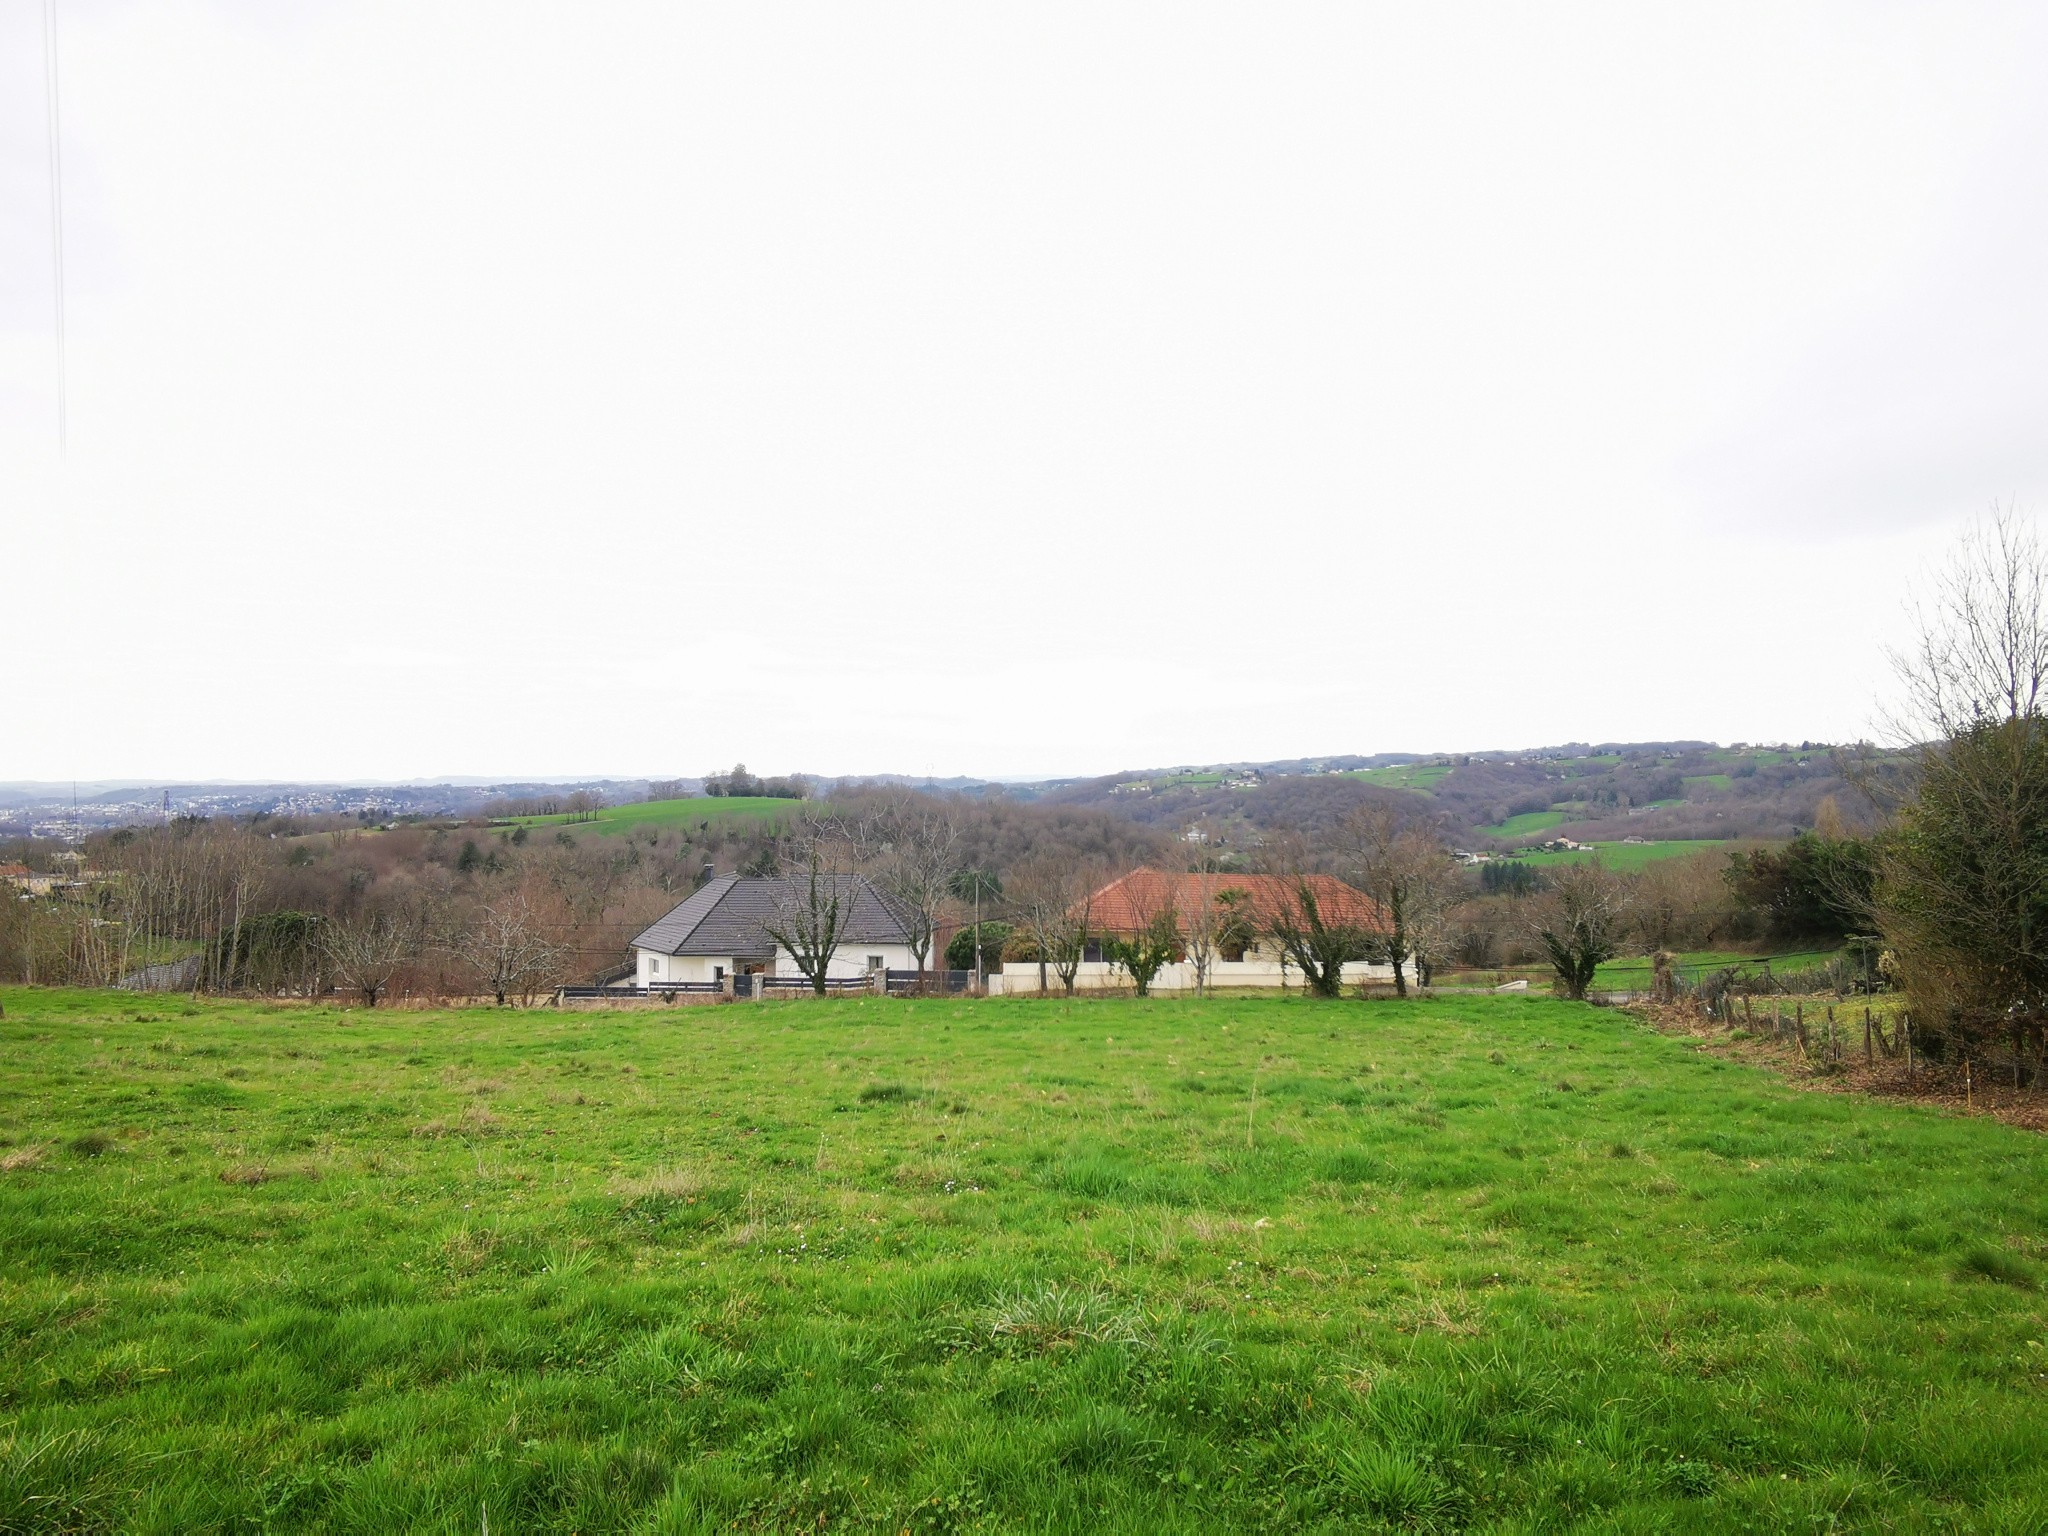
x=674, y=1198
x=888, y=1093
x=1392, y=1486
x=92, y=1144
x=1349, y=1165
x=1053, y=1316
x=1984, y=1262
x=476, y=1120
x=247, y=1173
x=566, y=1261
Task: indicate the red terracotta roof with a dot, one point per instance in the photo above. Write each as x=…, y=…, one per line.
x=1125, y=906
x=13, y=871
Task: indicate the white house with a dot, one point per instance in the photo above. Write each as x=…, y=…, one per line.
x=723, y=930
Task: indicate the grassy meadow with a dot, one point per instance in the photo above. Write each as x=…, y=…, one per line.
x=663, y=815
x=1507, y=1264
x=1402, y=775
x=1523, y=825
x=1625, y=855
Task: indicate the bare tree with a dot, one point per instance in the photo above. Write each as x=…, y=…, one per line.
x=506, y=948
x=1050, y=901
x=367, y=949
x=815, y=898
x=1980, y=654
x=915, y=842
x=1218, y=924
x=1579, y=922
x=1401, y=865
x=1962, y=888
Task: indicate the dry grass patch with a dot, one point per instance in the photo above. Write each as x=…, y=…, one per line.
x=476, y=1120
x=22, y=1157
x=924, y=1173
x=663, y=1183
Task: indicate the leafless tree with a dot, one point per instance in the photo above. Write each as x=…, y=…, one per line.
x=815, y=898
x=1049, y=898
x=505, y=946
x=1579, y=921
x=1401, y=864
x=367, y=949
x=1962, y=889
x=1980, y=652
x=1218, y=924
x=913, y=844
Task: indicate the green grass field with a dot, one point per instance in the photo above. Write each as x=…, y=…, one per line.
x=1710, y=780
x=1625, y=855
x=1418, y=776
x=1523, y=825
x=1635, y=971
x=662, y=815
x=1130, y=1266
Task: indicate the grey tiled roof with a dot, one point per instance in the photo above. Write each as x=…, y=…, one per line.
x=729, y=917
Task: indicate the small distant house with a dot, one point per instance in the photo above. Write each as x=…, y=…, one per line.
x=724, y=930
x=26, y=880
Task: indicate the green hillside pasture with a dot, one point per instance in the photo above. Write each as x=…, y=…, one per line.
x=1418, y=776
x=1633, y=972
x=1523, y=825
x=1709, y=780
x=663, y=815
x=1502, y=1263
x=1627, y=855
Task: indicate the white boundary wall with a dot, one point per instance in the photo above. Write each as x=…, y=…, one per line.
x=1019, y=978
x=847, y=960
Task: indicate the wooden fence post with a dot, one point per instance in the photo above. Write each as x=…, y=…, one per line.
x=1866, y=1034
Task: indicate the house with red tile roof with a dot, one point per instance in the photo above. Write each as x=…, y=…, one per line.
x=1128, y=904
x=1234, y=914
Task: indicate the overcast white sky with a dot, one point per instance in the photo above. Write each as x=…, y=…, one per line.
x=561, y=389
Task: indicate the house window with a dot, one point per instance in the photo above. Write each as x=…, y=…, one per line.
x=877, y=962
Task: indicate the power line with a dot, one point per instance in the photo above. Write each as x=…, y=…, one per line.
x=56, y=207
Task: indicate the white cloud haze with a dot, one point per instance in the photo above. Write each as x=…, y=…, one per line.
x=536, y=389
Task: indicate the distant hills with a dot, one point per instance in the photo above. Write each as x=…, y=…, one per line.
x=1664, y=790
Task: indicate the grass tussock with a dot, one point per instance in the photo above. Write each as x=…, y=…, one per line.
x=734, y=1289
x=1983, y=1262
x=475, y=1120
x=672, y=1183
x=1052, y=1316
x=888, y=1093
